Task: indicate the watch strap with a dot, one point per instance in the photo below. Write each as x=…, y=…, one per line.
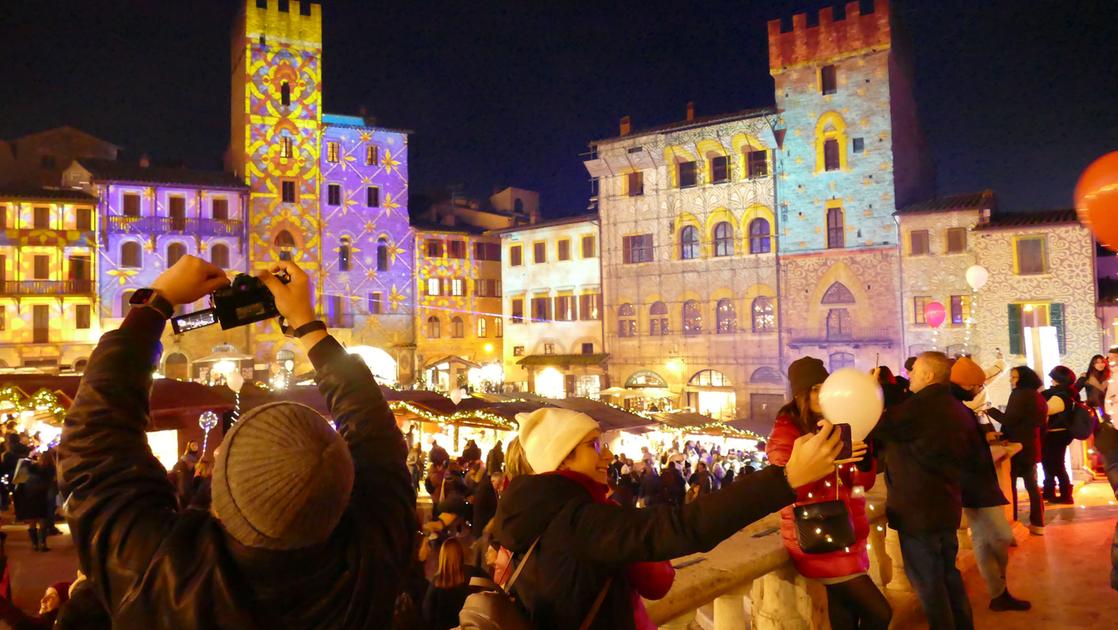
x=308, y=328
x=161, y=305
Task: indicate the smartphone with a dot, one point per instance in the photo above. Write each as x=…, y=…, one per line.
x=847, y=444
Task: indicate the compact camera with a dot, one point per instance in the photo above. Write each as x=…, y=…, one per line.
x=245, y=301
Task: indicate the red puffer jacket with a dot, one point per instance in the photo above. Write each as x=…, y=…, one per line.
x=823, y=565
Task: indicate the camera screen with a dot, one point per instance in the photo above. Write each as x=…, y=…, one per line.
x=251, y=311
x=195, y=320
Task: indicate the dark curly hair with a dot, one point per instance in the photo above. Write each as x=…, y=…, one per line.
x=1027, y=378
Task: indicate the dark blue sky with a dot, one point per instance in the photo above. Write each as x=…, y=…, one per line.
x=1015, y=95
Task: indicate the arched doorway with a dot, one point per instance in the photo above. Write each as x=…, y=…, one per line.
x=710, y=393
x=176, y=366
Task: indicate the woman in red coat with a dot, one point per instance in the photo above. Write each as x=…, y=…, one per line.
x=853, y=600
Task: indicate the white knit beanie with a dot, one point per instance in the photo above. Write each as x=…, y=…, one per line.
x=549, y=434
x=282, y=478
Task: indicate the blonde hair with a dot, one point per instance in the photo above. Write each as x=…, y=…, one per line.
x=451, y=560
x=516, y=462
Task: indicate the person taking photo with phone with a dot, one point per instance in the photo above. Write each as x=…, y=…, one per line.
x=311, y=523
x=853, y=600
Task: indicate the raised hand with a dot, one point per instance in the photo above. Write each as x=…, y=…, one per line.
x=813, y=456
x=189, y=280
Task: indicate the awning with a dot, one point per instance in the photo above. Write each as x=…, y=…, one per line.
x=563, y=360
x=452, y=359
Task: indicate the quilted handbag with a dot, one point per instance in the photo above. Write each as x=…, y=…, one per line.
x=824, y=527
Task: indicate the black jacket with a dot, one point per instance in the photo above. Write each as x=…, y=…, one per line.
x=979, y=477
x=583, y=543
x=926, y=440
x=1069, y=397
x=157, y=567
x=1023, y=422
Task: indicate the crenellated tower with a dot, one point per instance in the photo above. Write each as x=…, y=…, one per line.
x=853, y=153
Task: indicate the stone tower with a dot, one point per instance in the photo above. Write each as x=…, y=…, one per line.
x=852, y=155
x=276, y=114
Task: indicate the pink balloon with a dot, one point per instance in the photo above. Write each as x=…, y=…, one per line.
x=934, y=314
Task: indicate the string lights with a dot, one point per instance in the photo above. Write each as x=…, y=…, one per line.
x=13, y=398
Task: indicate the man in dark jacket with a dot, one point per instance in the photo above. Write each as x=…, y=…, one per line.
x=309, y=528
x=991, y=534
x=925, y=444
x=437, y=455
x=495, y=460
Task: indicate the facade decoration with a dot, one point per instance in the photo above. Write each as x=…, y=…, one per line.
x=689, y=264
x=553, y=339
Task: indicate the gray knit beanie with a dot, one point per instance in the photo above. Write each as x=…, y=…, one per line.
x=282, y=478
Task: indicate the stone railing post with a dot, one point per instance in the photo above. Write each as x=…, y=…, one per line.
x=729, y=609
x=893, y=550
x=785, y=600
x=681, y=622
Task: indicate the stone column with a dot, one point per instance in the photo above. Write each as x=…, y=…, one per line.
x=893, y=549
x=729, y=609
x=881, y=565
x=681, y=622
x=785, y=600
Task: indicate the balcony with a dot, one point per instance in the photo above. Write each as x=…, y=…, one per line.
x=171, y=225
x=10, y=288
x=845, y=336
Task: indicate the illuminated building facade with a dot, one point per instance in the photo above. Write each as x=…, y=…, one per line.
x=368, y=290
x=552, y=284
x=48, y=299
x=328, y=192
x=689, y=264
x=853, y=153
x=459, y=322
x=149, y=217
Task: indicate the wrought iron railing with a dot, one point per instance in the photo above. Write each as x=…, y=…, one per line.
x=46, y=287
x=167, y=225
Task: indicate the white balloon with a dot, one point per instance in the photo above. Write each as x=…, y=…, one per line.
x=977, y=276
x=235, y=381
x=851, y=396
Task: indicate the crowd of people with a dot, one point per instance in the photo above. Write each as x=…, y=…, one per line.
x=300, y=521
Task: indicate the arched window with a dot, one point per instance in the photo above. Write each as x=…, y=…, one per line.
x=840, y=360
x=830, y=143
x=175, y=251
x=838, y=324
x=285, y=243
x=176, y=366
x=626, y=321
x=727, y=319
x=482, y=327
x=709, y=378
x=692, y=318
x=837, y=293
x=343, y=254
x=689, y=242
x=724, y=239
x=433, y=327
x=219, y=255
x=645, y=378
x=760, y=236
x=125, y=298
x=764, y=317
x=285, y=93
x=658, y=319
x=457, y=328
x=382, y=254
x=766, y=375
x=131, y=255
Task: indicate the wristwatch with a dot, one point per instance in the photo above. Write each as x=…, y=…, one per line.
x=308, y=328
x=150, y=298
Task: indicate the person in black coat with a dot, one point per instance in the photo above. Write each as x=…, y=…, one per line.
x=1057, y=437
x=337, y=558
x=650, y=485
x=449, y=588
x=673, y=486
x=472, y=452
x=1022, y=422
x=991, y=534
x=701, y=479
x=926, y=441
x=495, y=460
x=586, y=546
x=484, y=503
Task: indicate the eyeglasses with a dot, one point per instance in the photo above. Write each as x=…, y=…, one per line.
x=596, y=443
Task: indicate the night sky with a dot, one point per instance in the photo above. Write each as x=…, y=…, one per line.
x=1014, y=95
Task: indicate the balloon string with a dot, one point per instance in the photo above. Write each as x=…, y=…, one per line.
x=205, y=440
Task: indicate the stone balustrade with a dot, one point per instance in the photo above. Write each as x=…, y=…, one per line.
x=748, y=581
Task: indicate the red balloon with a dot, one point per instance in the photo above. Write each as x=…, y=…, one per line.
x=934, y=314
x=1096, y=199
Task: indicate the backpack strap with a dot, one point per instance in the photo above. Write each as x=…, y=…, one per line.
x=520, y=567
x=596, y=607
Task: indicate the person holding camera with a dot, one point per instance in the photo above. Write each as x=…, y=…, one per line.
x=310, y=527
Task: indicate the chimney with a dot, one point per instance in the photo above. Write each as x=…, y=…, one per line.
x=145, y=161
x=690, y=110
x=626, y=125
